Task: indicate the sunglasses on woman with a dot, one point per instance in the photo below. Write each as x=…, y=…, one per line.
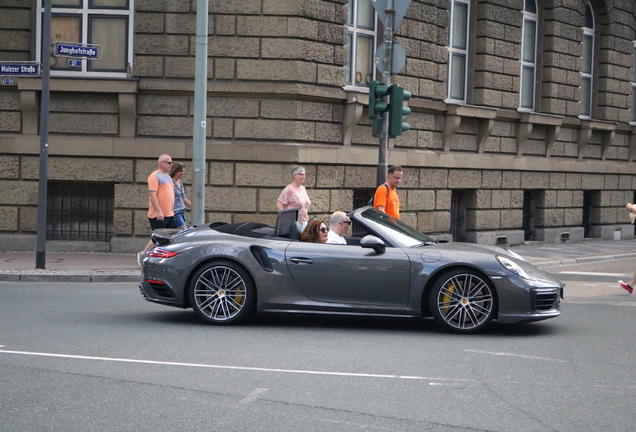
x=324, y=229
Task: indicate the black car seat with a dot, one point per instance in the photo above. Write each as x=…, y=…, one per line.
x=285, y=219
x=295, y=230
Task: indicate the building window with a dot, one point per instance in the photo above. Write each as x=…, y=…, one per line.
x=458, y=51
x=458, y=215
x=634, y=84
x=529, y=55
x=587, y=71
x=107, y=23
x=361, y=40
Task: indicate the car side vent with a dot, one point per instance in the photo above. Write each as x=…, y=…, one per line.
x=544, y=299
x=260, y=256
x=161, y=289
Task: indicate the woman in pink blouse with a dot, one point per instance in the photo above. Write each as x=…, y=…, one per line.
x=295, y=195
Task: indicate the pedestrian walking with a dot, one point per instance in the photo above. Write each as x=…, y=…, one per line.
x=386, y=198
x=295, y=195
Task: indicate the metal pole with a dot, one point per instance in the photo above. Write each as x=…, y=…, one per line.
x=386, y=78
x=200, y=111
x=40, y=254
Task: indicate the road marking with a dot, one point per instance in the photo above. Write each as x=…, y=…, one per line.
x=238, y=368
x=515, y=355
x=593, y=274
x=252, y=396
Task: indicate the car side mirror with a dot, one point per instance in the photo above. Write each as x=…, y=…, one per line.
x=372, y=242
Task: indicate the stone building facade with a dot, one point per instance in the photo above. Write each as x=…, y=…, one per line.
x=522, y=123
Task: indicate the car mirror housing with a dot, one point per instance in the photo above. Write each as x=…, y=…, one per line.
x=372, y=242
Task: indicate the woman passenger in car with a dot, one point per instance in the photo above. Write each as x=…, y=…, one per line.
x=315, y=232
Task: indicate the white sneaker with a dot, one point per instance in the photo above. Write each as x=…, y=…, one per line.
x=140, y=258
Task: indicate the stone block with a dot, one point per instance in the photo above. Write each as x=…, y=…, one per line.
x=617, y=198
x=320, y=200
x=360, y=177
x=28, y=219
x=341, y=199
x=162, y=105
x=464, y=179
x=549, y=217
x=557, y=180
x=94, y=124
x=282, y=48
x=131, y=196
x=511, y=218
x=274, y=129
x=10, y=122
x=573, y=181
x=483, y=219
x=229, y=107
x=141, y=223
x=546, y=199
x=15, y=40
x=433, y=221
x=491, y=179
x=478, y=199
x=267, y=199
x=625, y=182
x=275, y=70
x=511, y=179
x=230, y=199
x=501, y=199
x=18, y=192
x=593, y=181
x=8, y=218
x=329, y=132
x=231, y=46
x=81, y=169
x=218, y=217
x=443, y=199
x=293, y=109
x=161, y=6
x=267, y=219
x=261, y=26
x=223, y=128
x=225, y=25
x=433, y=178
x=123, y=222
x=573, y=217
x=330, y=176
x=9, y=167
x=180, y=67
x=261, y=175
x=161, y=44
x=564, y=198
x=10, y=101
x=149, y=22
x=164, y=126
x=148, y=66
x=611, y=181
x=239, y=7
x=420, y=199
x=535, y=180
x=221, y=173
x=224, y=68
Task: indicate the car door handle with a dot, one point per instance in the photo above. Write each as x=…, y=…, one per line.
x=301, y=260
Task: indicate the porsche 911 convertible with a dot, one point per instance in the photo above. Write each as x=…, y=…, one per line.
x=229, y=272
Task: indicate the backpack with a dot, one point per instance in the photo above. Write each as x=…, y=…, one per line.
x=371, y=200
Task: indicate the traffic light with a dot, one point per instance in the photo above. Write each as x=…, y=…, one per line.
x=377, y=106
x=397, y=110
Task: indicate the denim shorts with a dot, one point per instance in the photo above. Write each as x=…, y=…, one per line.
x=179, y=219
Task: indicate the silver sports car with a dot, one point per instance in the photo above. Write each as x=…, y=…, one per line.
x=229, y=272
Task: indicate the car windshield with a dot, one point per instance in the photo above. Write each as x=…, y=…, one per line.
x=401, y=234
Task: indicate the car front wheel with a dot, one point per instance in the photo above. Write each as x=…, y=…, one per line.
x=463, y=301
x=222, y=293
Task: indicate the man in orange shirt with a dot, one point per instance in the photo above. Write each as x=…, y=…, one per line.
x=386, y=198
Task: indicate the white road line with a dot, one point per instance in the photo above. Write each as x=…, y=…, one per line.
x=238, y=368
x=252, y=396
x=594, y=274
x=515, y=355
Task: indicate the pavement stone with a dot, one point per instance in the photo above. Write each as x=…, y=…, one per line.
x=112, y=267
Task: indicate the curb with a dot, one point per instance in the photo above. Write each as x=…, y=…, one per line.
x=60, y=277
x=581, y=260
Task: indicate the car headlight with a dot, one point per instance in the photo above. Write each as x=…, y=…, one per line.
x=512, y=267
x=515, y=255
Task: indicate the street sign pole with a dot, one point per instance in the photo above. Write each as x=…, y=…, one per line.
x=40, y=254
x=200, y=114
x=389, y=15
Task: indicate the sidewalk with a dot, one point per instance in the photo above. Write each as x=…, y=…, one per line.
x=111, y=267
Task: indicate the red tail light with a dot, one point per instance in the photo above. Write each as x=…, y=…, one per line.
x=161, y=253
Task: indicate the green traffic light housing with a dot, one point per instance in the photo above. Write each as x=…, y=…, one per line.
x=377, y=91
x=397, y=110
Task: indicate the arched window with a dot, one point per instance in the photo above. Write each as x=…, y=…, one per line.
x=587, y=69
x=458, y=51
x=361, y=40
x=529, y=56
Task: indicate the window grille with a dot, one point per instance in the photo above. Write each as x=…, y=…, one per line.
x=80, y=211
x=458, y=215
x=528, y=214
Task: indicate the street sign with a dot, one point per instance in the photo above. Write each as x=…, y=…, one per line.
x=398, y=57
x=9, y=81
x=76, y=50
x=399, y=6
x=23, y=69
x=74, y=63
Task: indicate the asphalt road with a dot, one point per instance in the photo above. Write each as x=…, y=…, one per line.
x=96, y=357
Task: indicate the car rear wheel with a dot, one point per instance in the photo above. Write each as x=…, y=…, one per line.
x=222, y=293
x=463, y=301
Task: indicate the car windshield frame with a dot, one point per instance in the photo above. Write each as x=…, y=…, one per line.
x=396, y=231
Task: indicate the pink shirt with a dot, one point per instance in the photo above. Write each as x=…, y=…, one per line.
x=292, y=197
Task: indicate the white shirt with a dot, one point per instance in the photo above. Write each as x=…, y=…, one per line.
x=334, y=238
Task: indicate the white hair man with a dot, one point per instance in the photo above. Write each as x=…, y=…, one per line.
x=339, y=224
